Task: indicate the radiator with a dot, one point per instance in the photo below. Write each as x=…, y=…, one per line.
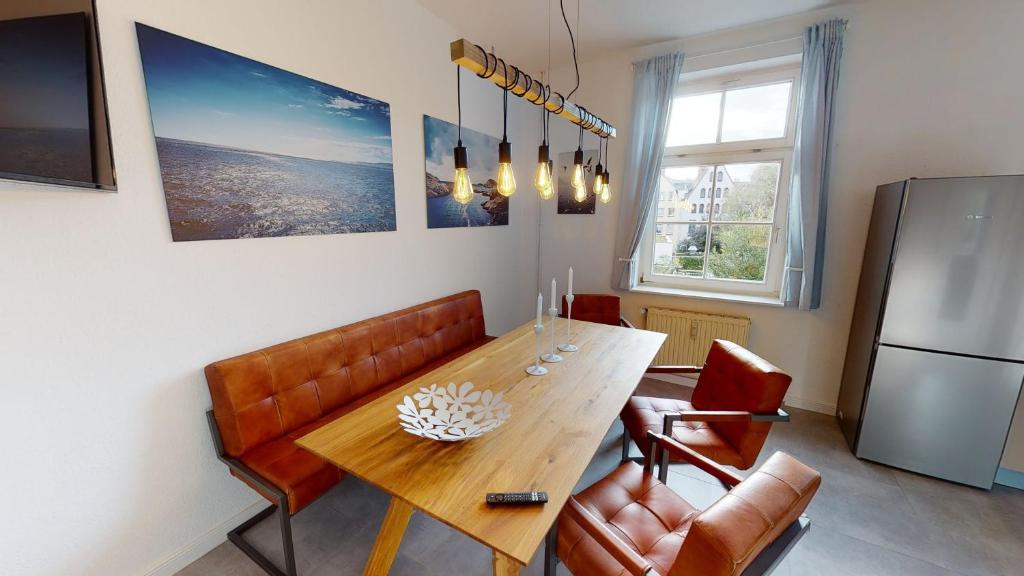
x=690, y=334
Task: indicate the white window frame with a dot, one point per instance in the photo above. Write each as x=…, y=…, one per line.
x=764, y=150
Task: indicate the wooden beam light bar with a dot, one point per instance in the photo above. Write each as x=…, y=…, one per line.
x=476, y=60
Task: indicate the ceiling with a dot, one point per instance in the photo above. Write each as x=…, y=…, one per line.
x=518, y=29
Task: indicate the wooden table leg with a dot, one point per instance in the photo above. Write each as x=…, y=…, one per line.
x=505, y=566
x=389, y=538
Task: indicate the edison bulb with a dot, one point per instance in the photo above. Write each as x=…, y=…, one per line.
x=506, y=179
x=581, y=193
x=542, y=180
x=605, y=196
x=598, y=183
x=462, y=188
x=578, y=180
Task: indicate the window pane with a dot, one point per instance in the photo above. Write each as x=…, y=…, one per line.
x=739, y=251
x=694, y=120
x=748, y=192
x=755, y=113
x=679, y=249
x=677, y=199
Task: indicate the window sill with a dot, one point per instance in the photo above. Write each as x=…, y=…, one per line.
x=773, y=301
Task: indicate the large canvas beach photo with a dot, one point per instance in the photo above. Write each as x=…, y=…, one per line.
x=249, y=150
x=567, y=203
x=488, y=207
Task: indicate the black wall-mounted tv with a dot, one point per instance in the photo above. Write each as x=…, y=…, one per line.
x=53, y=120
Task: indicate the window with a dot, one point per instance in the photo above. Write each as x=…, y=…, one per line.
x=671, y=212
x=732, y=137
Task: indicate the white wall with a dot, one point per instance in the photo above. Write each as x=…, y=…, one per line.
x=928, y=90
x=105, y=324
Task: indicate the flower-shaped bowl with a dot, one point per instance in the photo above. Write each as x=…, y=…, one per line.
x=452, y=413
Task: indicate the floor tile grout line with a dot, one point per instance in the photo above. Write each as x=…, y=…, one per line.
x=893, y=551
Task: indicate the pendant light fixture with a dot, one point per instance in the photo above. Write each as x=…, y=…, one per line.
x=606, y=194
x=462, y=186
x=506, y=178
x=578, y=180
x=542, y=177
x=598, y=172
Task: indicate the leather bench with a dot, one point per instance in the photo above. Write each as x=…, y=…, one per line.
x=264, y=400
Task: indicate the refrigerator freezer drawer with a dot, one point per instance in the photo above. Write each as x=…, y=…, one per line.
x=938, y=414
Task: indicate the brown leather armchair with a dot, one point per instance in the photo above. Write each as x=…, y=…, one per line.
x=597, y=308
x=738, y=396
x=632, y=523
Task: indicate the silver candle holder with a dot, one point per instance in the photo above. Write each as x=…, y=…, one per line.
x=568, y=346
x=537, y=369
x=552, y=356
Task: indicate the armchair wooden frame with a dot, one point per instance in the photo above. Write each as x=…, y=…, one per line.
x=779, y=415
x=765, y=562
x=280, y=506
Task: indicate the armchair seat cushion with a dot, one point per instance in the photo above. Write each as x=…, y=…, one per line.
x=643, y=413
x=642, y=512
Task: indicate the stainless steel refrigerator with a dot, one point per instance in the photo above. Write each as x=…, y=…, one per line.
x=935, y=360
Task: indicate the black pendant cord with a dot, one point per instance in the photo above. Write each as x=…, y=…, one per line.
x=458, y=98
x=572, y=40
x=504, y=103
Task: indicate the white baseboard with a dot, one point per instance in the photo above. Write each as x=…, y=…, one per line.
x=212, y=538
x=794, y=401
x=812, y=405
x=1011, y=478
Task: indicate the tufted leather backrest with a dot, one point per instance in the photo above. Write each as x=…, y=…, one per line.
x=726, y=537
x=266, y=394
x=734, y=378
x=598, y=308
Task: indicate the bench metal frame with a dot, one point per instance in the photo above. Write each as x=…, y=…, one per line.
x=279, y=505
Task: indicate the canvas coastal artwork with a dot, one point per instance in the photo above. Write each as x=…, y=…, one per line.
x=567, y=203
x=249, y=150
x=488, y=207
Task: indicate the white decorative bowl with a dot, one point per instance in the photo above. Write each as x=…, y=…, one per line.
x=452, y=413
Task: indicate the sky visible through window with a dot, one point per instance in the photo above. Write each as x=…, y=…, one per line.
x=751, y=113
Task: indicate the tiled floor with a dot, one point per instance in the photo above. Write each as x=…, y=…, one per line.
x=865, y=520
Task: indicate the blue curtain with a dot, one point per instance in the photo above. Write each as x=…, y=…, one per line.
x=808, y=205
x=654, y=84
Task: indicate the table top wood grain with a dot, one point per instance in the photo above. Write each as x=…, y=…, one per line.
x=557, y=424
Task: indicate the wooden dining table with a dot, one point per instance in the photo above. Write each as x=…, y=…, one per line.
x=557, y=423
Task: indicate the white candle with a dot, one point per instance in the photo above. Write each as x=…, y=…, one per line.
x=570, y=279
x=540, y=305
x=554, y=294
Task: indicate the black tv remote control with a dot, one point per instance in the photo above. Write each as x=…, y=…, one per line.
x=516, y=498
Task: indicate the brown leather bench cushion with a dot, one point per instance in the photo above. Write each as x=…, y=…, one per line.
x=264, y=400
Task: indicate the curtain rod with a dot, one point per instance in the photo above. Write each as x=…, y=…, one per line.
x=727, y=50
